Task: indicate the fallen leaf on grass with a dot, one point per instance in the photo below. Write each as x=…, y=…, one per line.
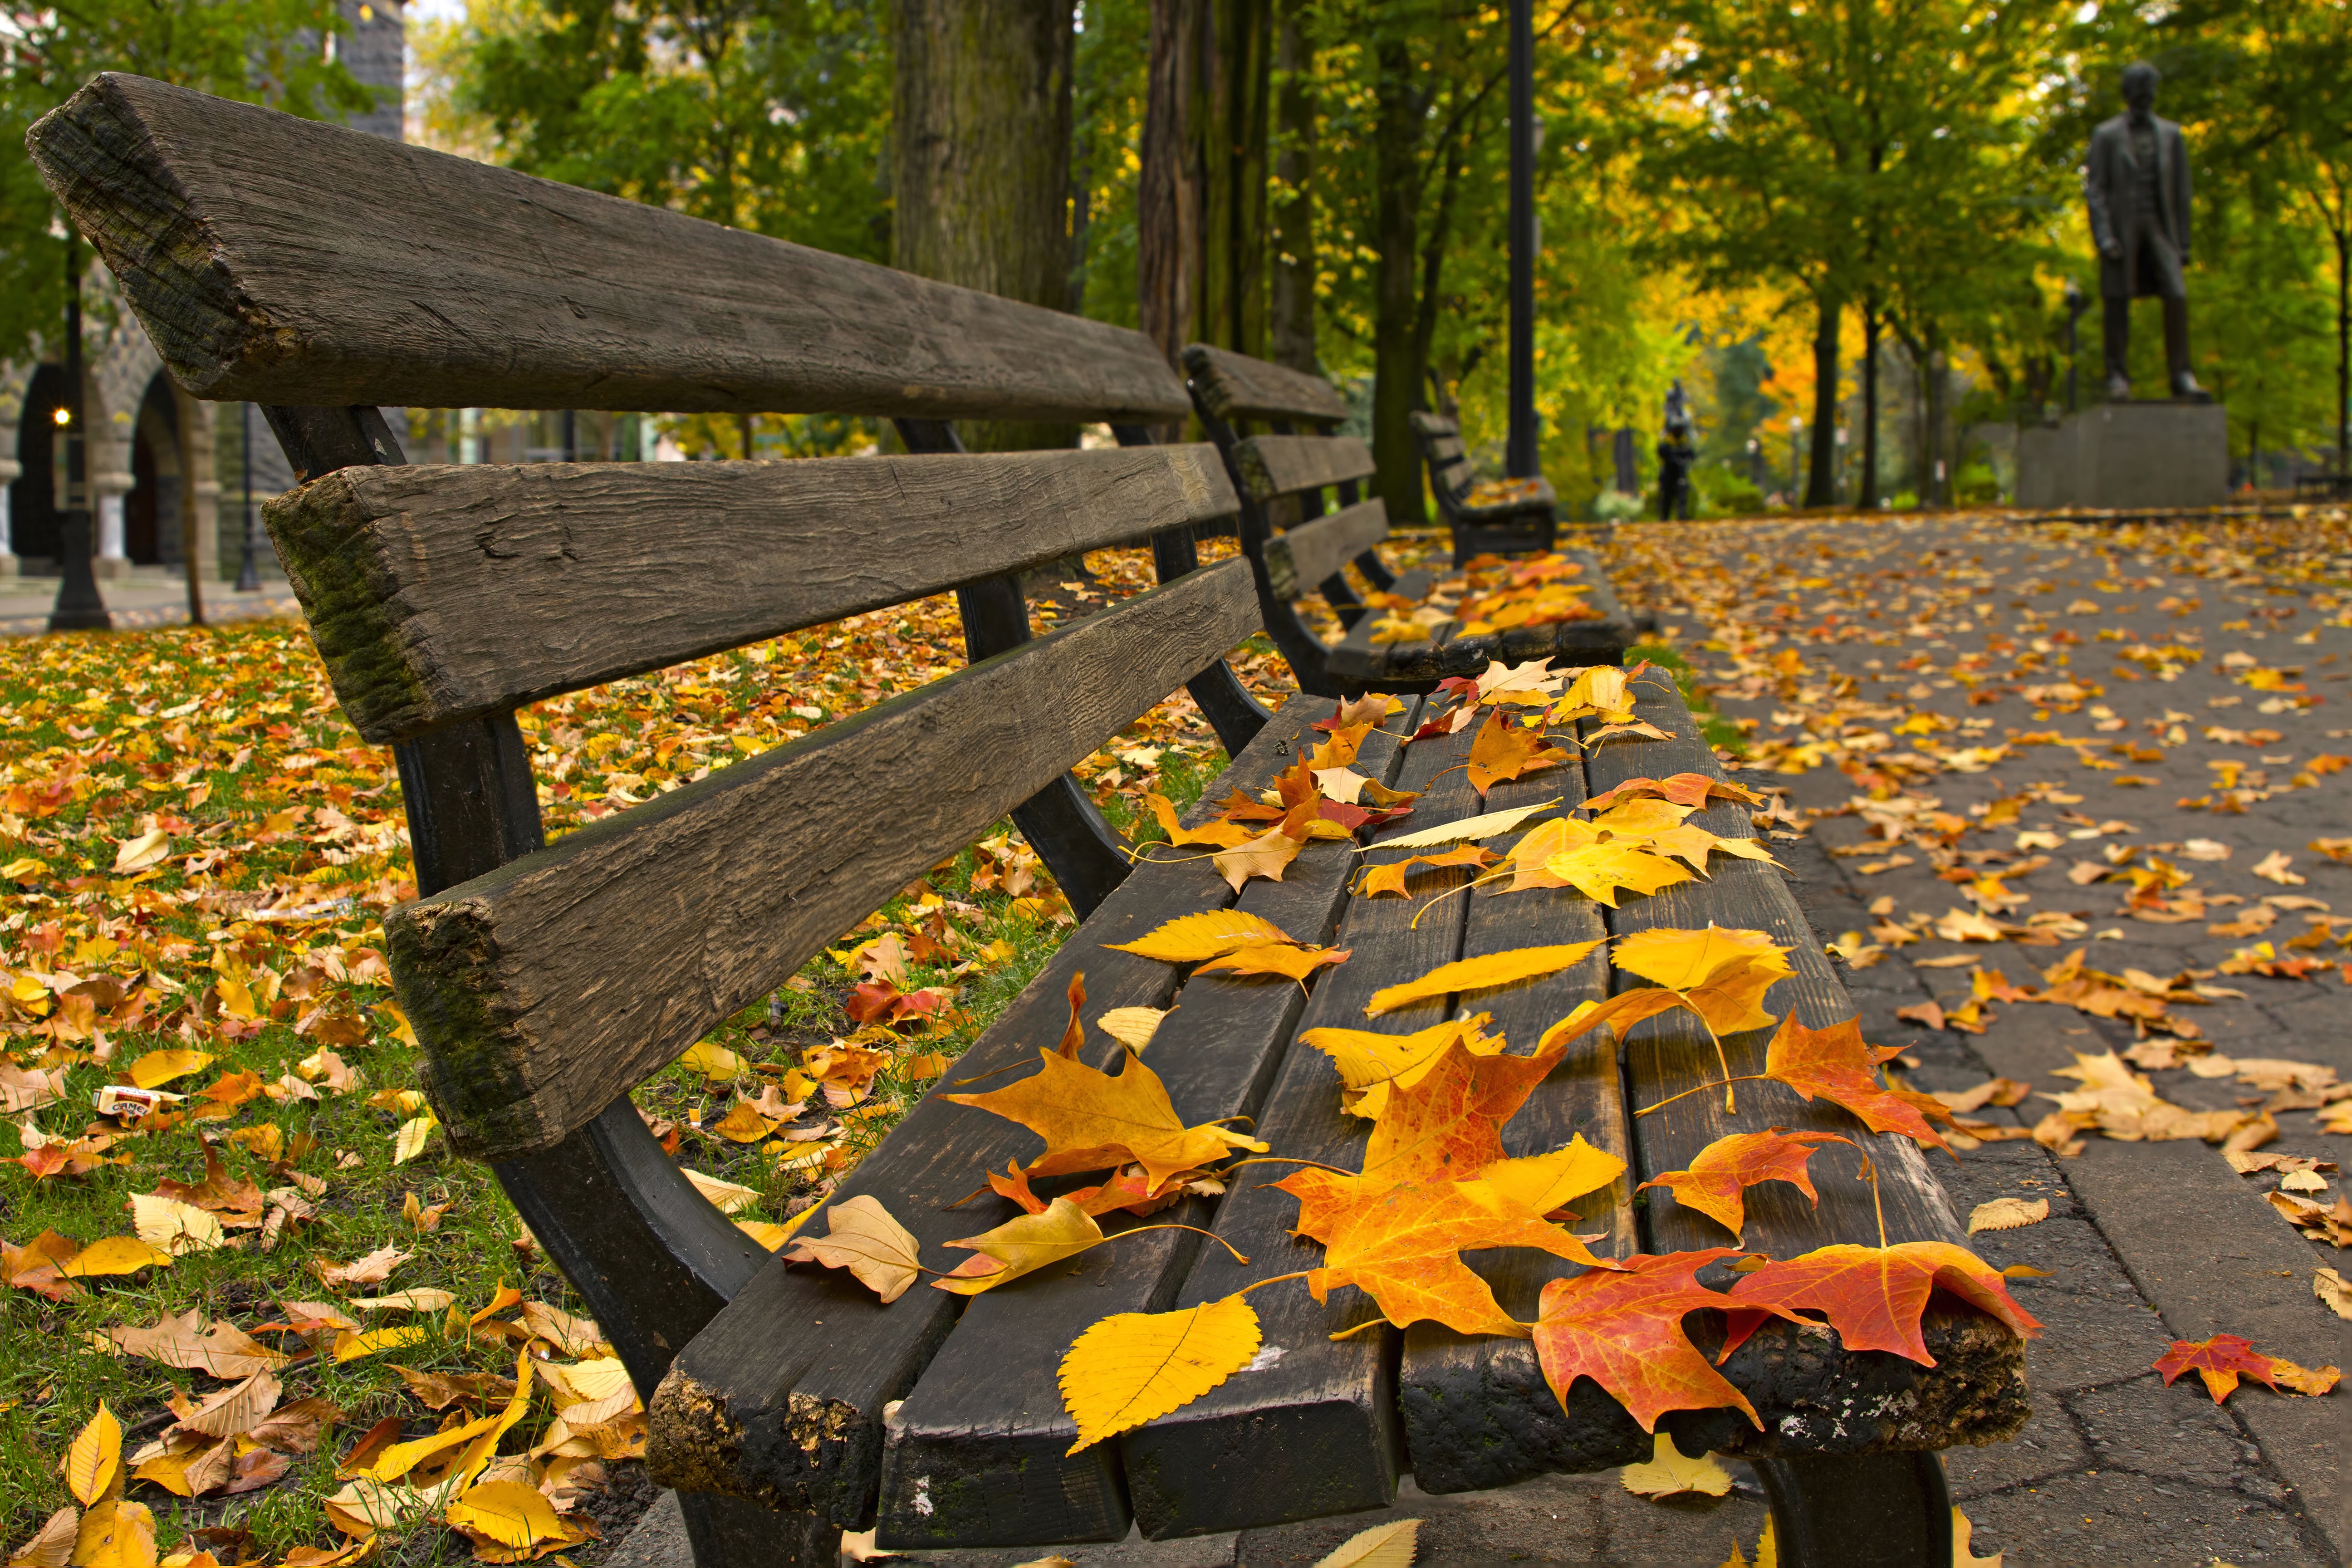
x=2008, y=1214
x=222, y=1350
x=157, y=1068
x=51, y=1546
x=409, y=1141
x=2225, y=1358
x=864, y=1238
x=1670, y=1472
x=725, y=1196
x=372, y=1269
x=93, y=1462
x=508, y=1513
x=114, y=1255
x=1134, y=1367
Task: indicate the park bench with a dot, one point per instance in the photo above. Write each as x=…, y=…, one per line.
x=327, y=272
x=1525, y=521
x=1298, y=547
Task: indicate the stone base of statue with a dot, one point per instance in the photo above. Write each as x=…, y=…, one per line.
x=2125, y=456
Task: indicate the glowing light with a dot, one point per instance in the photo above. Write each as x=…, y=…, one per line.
x=64, y=416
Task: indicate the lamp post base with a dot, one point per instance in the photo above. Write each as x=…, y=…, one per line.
x=79, y=608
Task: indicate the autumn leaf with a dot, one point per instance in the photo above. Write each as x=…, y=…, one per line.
x=742, y=1124
x=2007, y=1213
x=1683, y=789
x=2221, y=1360
x=1382, y=1546
x=235, y=1410
x=1369, y=1060
x=1723, y=972
x=173, y=1226
x=116, y=1534
x=93, y=1462
x=1401, y=1246
x=511, y=1513
x=1718, y=1177
x=51, y=1546
x=150, y=848
x=409, y=1141
x=864, y=1238
x=1599, y=870
x=1268, y=855
x=1622, y=1328
x=1493, y=824
x=222, y=1350
x=1503, y=751
x=1219, y=834
x=1134, y=1367
x=1543, y=1183
x=1093, y=1121
x=1389, y=877
x=1292, y=962
x=1833, y=1064
x=157, y=1068
x=1190, y=938
x=1479, y=975
x=1448, y=1125
x=1598, y=690
x=370, y=1270
x=1670, y=1472
x=1872, y=1295
x=1022, y=1245
x=114, y=1255
x=1132, y=1026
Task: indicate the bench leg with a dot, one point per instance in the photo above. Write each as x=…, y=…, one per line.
x=727, y=1533
x=1883, y=1510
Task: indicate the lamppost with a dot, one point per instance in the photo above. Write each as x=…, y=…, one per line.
x=248, y=571
x=1520, y=456
x=78, y=606
x=1796, y=433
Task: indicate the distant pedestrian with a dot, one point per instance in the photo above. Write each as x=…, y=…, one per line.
x=1675, y=454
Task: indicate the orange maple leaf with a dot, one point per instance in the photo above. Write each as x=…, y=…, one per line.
x=1224, y=835
x=1403, y=1246
x=1836, y=1064
x=1683, y=789
x=1623, y=1329
x=1724, y=1169
x=1093, y=1121
x=1872, y=1295
x=1390, y=878
x=1506, y=751
x=2221, y=1359
x=1449, y=1124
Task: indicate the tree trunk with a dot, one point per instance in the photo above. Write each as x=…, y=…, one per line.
x=1820, y=475
x=1233, y=78
x=1293, y=310
x=2343, y=354
x=1432, y=262
x=1168, y=190
x=981, y=147
x=1868, y=498
x=1396, y=141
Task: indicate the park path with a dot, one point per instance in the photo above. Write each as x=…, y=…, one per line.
x=2024, y=701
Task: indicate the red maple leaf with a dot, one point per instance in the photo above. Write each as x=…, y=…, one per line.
x=1836, y=1064
x=1872, y=1295
x=1623, y=1329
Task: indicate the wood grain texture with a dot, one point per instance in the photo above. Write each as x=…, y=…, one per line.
x=1427, y=425
x=1314, y=1430
x=440, y=593
x=1235, y=386
x=977, y=1455
x=1477, y=1412
x=1272, y=465
x=529, y=985
x=1300, y=559
x=1442, y=448
x=286, y=261
x=781, y=1400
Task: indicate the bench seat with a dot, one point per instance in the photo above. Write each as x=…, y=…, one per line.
x=1419, y=663
x=1525, y=522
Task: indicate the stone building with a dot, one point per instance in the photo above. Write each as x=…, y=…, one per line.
x=151, y=452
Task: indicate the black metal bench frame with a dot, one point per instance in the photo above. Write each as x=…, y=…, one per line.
x=1518, y=527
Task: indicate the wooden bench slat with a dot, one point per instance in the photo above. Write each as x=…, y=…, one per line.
x=781, y=1398
x=1298, y=559
x=1316, y=1431
x=1426, y=424
x=1477, y=1412
x=530, y=985
x=1235, y=386
x=977, y=1455
x=1446, y=653
x=440, y=593
x=1272, y=465
x=286, y=261
x=1445, y=448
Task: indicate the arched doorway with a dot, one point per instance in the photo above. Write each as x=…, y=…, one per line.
x=32, y=496
x=151, y=512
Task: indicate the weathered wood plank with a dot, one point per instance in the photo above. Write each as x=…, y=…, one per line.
x=287, y=261
x=781, y=1400
x=1313, y=1430
x=1449, y=478
x=1431, y=425
x=1442, y=448
x=978, y=1454
x=1235, y=386
x=527, y=984
x=1477, y=1412
x=1273, y=466
x=440, y=593
x=1301, y=558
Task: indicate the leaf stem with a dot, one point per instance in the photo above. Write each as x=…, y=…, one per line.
x=1702, y=1089
x=1722, y=1058
x=1291, y=1159
x=1870, y=1170
x=1273, y=1279
x=1196, y=1230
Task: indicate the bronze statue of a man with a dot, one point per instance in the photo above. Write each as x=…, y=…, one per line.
x=2136, y=183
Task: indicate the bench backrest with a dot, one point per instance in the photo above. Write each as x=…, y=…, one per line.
x=1441, y=444
x=306, y=266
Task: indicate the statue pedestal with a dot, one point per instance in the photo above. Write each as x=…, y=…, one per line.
x=2127, y=455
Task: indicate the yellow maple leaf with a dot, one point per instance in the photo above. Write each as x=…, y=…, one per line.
x=1093, y=1121
x=1542, y=1183
x=1134, y=1367
x=1670, y=1472
x=1598, y=870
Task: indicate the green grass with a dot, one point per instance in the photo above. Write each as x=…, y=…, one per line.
x=1719, y=732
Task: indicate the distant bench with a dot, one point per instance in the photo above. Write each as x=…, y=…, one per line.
x=324, y=272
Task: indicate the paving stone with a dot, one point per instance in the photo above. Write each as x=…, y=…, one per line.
x=2117, y=1518
x=2049, y=1446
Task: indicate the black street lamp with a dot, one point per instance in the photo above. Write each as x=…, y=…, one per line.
x=79, y=608
x=1519, y=451
x=2076, y=305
